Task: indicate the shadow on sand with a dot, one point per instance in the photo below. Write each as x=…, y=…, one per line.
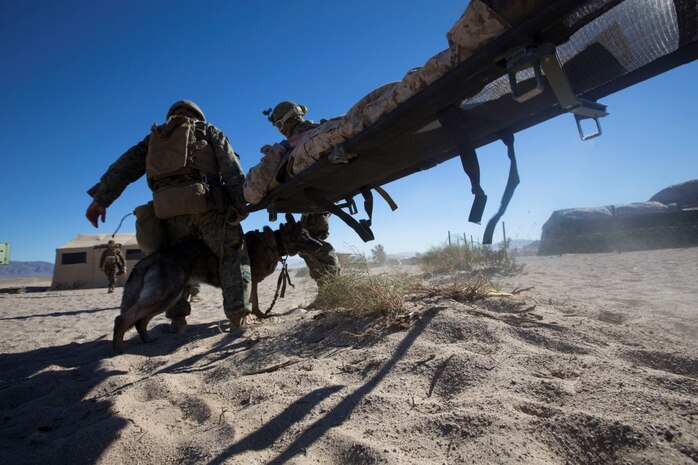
x=57, y=402
x=265, y=436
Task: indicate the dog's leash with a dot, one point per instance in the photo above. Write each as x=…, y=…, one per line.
x=284, y=278
x=120, y=223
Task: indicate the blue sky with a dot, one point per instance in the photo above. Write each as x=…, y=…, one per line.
x=82, y=81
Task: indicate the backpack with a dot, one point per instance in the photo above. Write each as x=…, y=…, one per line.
x=168, y=147
x=173, y=150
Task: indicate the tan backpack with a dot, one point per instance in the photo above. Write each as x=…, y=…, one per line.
x=173, y=150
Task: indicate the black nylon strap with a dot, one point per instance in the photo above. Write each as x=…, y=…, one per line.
x=388, y=199
x=368, y=203
x=451, y=120
x=361, y=228
x=281, y=282
x=513, y=181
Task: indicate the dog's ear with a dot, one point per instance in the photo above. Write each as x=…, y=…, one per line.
x=289, y=219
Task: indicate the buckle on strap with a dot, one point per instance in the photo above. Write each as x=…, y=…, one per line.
x=362, y=227
x=544, y=57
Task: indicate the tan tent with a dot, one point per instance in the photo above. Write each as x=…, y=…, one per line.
x=77, y=262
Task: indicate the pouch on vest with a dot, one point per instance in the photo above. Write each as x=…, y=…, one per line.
x=168, y=147
x=109, y=260
x=180, y=199
x=150, y=232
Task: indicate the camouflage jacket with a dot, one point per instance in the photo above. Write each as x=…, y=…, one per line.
x=116, y=253
x=305, y=125
x=131, y=166
x=270, y=173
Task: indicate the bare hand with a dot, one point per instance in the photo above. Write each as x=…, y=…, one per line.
x=94, y=212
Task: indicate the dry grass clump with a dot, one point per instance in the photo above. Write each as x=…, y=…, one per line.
x=389, y=297
x=463, y=257
x=360, y=292
x=475, y=288
x=364, y=293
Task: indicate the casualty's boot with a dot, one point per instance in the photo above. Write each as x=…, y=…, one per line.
x=237, y=319
x=178, y=324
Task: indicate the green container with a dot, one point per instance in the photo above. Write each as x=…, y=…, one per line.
x=4, y=253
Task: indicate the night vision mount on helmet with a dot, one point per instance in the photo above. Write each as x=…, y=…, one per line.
x=283, y=112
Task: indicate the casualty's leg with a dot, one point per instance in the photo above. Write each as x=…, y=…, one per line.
x=225, y=239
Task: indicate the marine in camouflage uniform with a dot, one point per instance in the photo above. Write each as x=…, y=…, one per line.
x=288, y=118
x=112, y=263
x=221, y=232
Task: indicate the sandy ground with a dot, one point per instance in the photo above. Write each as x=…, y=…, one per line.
x=603, y=370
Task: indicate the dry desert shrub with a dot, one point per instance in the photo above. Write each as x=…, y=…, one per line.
x=463, y=289
x=463, y=257
x=364, y=293
x=360, y=292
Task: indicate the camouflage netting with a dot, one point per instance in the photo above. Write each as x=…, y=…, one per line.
x=615, y=228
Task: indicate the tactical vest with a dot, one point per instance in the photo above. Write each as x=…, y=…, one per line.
x=174, y=152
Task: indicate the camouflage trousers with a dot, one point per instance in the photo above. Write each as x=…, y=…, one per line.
x=225, y=239
x=111, y=271
x=324, y=262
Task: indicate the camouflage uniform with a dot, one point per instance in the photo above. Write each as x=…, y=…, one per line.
x=112, y=263
x=323, y=262
x=221, y=233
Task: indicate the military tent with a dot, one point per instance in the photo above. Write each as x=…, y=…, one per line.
x=77, y=262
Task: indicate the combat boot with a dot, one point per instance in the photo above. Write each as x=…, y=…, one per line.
x=111, y=290
x=178, y=324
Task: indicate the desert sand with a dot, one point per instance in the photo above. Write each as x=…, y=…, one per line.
x=596, y=364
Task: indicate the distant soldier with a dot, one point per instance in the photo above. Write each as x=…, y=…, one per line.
x=288, y=118
x=196, y=179
x=112, y=263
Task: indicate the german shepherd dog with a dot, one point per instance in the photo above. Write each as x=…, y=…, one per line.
x=160, y=280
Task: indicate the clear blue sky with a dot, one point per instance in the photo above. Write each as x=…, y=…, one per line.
x=82, y=81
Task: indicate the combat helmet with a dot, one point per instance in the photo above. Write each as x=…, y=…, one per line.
x=284, y=112
x=187, y=105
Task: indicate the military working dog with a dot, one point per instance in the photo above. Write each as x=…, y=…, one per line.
x=160, y=280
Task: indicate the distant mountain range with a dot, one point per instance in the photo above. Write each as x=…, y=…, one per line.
x=26, y=270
